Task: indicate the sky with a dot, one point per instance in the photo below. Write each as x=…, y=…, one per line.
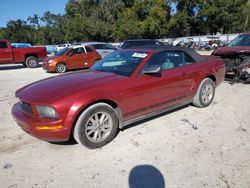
x=22, y=9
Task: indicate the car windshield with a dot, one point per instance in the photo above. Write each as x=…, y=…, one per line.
x=62, y=51
x=242, y=40
x=121, y=62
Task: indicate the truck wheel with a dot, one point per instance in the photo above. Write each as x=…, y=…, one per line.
x=32, y=62
x=61, y=68
x=96, y=126
x=205, y=93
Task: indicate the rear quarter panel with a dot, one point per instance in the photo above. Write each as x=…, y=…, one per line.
x=210, y=67
x=20, y=53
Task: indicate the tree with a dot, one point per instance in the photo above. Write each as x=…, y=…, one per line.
x=34, y=21
x=224, y=16
x=116, y=20
x=19, y=31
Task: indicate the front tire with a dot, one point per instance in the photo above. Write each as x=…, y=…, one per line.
x=96, y=126
x=205, y=93
x=32, y=62
x=61, y=68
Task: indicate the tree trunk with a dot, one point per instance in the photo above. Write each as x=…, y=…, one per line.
x=247, y=15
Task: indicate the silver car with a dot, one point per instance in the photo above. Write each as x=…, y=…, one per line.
x=101, y=47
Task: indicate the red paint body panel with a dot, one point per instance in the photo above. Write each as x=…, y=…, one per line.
x=28, y=124
x=18, y=55
x=233, y=50
x=136, y=95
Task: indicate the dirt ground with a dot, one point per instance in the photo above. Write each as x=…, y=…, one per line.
x=188, y=147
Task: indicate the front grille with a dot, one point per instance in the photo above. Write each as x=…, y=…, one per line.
x=26, y=107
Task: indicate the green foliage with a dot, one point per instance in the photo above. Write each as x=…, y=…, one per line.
x=116, y=20
x=224, y=16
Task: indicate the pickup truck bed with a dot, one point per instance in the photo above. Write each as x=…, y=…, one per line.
x=29, y=57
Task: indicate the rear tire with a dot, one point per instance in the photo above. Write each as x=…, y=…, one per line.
x=32, y=62
x=61, y=68
x=205, y=93
x=96, y=126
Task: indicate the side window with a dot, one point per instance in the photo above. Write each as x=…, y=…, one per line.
x=188, y=59
x=89, y=50
x=167, y=60
x=3, y=45
x=246, y=41
x=78, y=50
x=126, y=44
x=110, y=47
x=97, y=46
x=140, y=43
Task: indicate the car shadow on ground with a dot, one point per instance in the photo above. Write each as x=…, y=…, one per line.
x=14, y=67
x=154, y=117
x=71, y=141
x=146, y=176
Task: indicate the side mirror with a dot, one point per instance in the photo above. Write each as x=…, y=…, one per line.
x=152, y=69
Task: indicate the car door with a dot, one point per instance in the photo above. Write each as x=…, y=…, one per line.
x=76, y=60
x=196, y=70
x=90, y=57
x=5, y=53
x=168, y=87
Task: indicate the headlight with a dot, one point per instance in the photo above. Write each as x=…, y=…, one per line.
x=50, y=61
x=47, y=112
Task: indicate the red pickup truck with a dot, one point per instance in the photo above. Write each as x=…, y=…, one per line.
x=29, y=57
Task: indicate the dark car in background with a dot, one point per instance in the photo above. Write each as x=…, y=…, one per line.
x=237, y=58
x=138, y=42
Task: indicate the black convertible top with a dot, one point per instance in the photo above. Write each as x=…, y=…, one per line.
x=162, y=48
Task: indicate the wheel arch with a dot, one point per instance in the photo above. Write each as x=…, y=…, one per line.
x=26, y=56
x=110, y=102
x=212, y=77
x=61, y=62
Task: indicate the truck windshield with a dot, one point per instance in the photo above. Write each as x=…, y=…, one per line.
x=121, y=62
x=62, y=51
x=242, y=40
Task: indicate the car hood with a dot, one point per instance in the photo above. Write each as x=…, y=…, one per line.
x=51, y=58
x=231, y=50
x=56, y=88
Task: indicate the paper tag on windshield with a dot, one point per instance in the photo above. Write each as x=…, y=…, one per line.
x=140, y=55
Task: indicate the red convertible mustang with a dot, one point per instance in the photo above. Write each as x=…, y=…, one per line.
x=124, y=87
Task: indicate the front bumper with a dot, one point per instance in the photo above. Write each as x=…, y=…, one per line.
x=49, y=67
x=43, y=129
